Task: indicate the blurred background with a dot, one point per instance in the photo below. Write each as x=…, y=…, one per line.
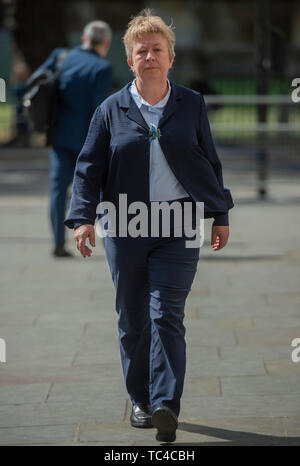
x=242, y=55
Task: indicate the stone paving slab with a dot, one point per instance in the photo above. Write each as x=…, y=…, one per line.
x=292, y=426
x=97, y=356
x=194, y=431
x=281, y=367
x=223, y=367
x=202, y=386
x=217, y=310
x=280, y=322
x=90, y=392
x=62, y=383
x=208, y=337
x=204, y=353
x=37, y=414
x=18, y=394
x=241, y=406
x=254, y=352
x=265, y=337
x=54, y=373
x=43, y=435
x=261, y=385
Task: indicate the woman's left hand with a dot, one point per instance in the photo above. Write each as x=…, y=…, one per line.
x=219, y=237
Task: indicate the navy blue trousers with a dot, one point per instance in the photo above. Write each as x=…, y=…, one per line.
x=152, y=279
x=62, y=166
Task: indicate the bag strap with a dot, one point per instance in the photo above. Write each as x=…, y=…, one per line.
x=59, y=61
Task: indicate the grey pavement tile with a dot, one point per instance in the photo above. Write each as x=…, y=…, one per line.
x=62, y=413
x=61, y=331
x=38, y=435
x=46, y=300
x=19, y=394
x=264, y=279
x=229, y=428
x=22, y=374
x=253, y=352
x=108, y=328
x=45, y=344
x=104, y=389
x=124, y=434
x=260, y=385
x=281, y=366
x=223, y=299
x=292, y=426
x=283, y=298
x=232, y=310
x=194, y=431
x=206, y=353
x=191, y=313
x=208, y=335
x=226, y=367
x=121, y=433
x=267, y=336
x=81, y=315
x=98, y=355
x=238, y=432
x=39, y=358
x=241, y=406
x=220, y=324
x=18, y=317
x=279, y=322
x=202, y=386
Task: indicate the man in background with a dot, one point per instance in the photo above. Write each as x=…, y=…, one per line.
x=84, y=82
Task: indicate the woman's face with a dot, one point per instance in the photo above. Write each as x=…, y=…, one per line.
x=150, y=58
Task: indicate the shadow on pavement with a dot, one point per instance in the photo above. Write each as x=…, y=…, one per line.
x=235, y=438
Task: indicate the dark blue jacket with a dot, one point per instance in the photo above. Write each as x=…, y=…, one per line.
x=115, y=156
x=85, y=81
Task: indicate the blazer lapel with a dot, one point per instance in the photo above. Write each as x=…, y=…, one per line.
x=171, y=107
x=134, y=114
x=132, y=110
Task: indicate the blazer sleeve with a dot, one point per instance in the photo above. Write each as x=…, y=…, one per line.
x=208, y=146
x=48, y=64
x=90, y=171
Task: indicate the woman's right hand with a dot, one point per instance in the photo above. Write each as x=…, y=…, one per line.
x=80, y=236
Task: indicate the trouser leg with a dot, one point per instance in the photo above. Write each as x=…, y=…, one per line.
x=152, y=277
x=172, y=268
x=127, y=258
x=62, y=166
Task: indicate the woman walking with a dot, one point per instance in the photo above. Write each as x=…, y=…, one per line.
x=152, y=142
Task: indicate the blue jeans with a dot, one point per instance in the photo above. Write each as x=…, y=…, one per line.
x=62, y=166
x=152, y=277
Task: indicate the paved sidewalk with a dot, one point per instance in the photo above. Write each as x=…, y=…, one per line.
x=62, y=381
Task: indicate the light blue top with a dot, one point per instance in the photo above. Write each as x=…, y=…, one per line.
x=164, y=186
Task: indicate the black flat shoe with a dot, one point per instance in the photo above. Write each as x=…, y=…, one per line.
x=141, y=416
x=61, y=252
x=166, y=423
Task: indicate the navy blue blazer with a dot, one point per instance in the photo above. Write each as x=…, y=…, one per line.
x=84, y=82
x=115, y=156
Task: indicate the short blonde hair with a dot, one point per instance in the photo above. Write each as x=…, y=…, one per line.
x=144, y=23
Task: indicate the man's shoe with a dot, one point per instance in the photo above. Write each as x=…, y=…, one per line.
x=165, y=420
x=141, y=415
x=61, y=252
